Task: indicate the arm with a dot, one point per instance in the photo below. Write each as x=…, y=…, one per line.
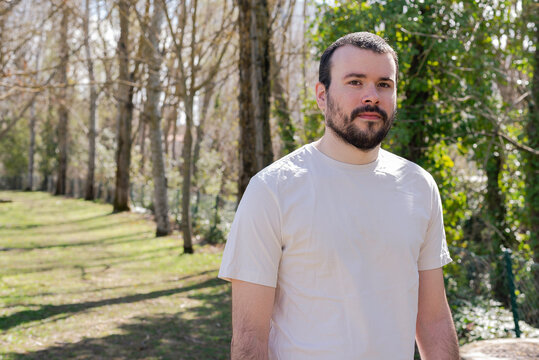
x=252, y=305
x=435, y=332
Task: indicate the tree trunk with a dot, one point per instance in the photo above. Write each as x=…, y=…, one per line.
x=189, y=100
x=208, y=92
x=153, y=117
x=261, y=91
x=495, y=218
x=125, y=113
x=89, y=191
x=255, y=141
x=142, y=147
x=31, y=149
x=174, y=130
x=198, y=140
x=532, y=166
x=166, y=132
x=416, y=98
x=187, y=230
x=62, y=111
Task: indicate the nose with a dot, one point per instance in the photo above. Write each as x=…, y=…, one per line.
x=371, y=95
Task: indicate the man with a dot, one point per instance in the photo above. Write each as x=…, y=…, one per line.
x=336, y=250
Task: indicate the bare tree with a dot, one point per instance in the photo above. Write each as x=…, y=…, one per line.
x=205, y=54
x=152, y=115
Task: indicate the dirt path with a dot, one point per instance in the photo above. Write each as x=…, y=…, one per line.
x=501, y=349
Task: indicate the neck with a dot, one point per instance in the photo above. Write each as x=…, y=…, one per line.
x=340, y=150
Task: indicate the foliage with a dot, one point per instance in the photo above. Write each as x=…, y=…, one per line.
x=486, y=319
x=313, y=119
x=14, y=151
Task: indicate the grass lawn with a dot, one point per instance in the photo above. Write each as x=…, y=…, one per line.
x=77, y=282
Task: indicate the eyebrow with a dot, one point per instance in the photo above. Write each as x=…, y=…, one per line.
x=363, y=76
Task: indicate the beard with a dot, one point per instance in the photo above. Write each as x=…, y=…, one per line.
x=364, y=140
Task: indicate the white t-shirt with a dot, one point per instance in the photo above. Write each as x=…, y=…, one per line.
x=342, y=244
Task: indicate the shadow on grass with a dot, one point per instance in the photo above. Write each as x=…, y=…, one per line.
x=199, y=333
x=48, y=224
x=105, y=262
x=108, y=288
x=110, y=240
x=115, y=223
x=47, y=311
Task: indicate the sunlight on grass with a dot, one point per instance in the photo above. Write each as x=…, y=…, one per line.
x=80, y=282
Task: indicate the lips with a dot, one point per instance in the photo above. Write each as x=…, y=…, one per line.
x=370, y=116
x=369, y=113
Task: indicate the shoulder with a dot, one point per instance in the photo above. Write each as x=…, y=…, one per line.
x=403, y=170
x=291, y=167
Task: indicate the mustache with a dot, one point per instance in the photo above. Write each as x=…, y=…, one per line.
x=368, y=108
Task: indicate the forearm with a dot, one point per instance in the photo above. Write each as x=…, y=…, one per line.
x=437, y=340
x=248, y=346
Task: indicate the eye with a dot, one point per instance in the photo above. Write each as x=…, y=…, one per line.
x=384, y=85
x=354, y=82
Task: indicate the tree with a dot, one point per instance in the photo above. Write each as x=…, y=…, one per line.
x=63, y=114
x=125, y=112
x=254, y=66
x=89, y=191
x=198, y=64
x=532, y=165
x=152, y=116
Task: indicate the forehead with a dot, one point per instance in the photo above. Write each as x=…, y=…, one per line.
x=351, y=59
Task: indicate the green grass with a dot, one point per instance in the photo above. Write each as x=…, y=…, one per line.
x=77, y=282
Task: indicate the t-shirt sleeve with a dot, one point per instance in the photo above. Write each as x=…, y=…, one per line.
x=434, y=252
x=253, y=248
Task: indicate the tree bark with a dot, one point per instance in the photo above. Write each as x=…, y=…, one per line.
x=153, y=117
x=532, y=166
x=255, y=140
x=186, y=224
x=31, y=149
x=198, y=139
x=495, y=218
x=142, y=147
x=261, y=91
x=174, y=130
x=416, y=98
x=125, y=113
x=208, y=92
x=89, y=188
x=62, y=111
x=187, y=149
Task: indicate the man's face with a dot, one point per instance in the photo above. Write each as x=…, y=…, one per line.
x=360, y=103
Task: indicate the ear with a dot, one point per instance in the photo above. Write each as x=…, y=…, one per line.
x=321, y=96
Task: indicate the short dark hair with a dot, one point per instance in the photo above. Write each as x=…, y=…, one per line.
x=362, y=40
